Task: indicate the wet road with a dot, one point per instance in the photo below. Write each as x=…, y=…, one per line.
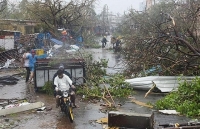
x=84, y=117
x=115, y=61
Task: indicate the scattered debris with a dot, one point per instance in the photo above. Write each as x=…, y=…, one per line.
x=83, y=97
x=9, y=55
x=103, y=120
x=41, y=109
x=193, y=124
x=92, y=123
x=7, y=63
x=131, y=97
x=8, y=123
x=72, y=48
x=48, y=108
x=8, y=80
x=169, y=112
x=110, y=96
x=103, y=104
x=20, y=108
x=119, y=104
x=141, y=103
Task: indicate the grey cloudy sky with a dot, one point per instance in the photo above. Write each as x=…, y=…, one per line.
x=117, y=6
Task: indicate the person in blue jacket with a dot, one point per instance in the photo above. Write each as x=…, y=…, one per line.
x=32, y=60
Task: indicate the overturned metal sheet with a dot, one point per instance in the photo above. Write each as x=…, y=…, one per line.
x=163, y=83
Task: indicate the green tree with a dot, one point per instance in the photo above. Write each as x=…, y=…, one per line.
x=61, y=14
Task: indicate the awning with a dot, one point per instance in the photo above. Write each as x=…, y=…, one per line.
x=55, y=41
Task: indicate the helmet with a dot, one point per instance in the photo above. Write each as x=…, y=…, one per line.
x=61, y=67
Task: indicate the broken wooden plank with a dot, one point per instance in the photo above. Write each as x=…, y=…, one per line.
x=103, y=120
x=21, y=108
x=141, y=103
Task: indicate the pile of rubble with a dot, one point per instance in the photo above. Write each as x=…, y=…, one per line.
x=8, y=57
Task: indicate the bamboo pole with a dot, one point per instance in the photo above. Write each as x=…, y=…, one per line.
x=109, y=94
x=150, y=90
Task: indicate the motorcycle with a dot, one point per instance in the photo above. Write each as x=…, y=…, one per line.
x=117, y=48
x=66, y=105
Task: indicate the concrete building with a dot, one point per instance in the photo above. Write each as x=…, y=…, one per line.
x=114, y=21
x=24, y=26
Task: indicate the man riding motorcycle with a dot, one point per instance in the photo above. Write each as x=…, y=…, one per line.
x=61, y=66
x=62, y=83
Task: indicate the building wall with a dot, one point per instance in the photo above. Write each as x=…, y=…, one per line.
x=25, y=27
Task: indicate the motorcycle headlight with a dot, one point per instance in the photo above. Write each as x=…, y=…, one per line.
x=65, y=94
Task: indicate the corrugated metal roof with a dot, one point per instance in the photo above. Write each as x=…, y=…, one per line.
x=163, y=83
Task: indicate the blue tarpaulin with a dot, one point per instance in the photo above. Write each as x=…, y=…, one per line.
x=55, y=41
x=39, y=41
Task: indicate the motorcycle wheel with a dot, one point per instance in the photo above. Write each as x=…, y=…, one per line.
x=70, y=114
x=62, y=107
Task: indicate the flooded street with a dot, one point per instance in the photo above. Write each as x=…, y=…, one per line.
x=85, y=116
x=99, y=64
x=52, y=118
x=115, y=62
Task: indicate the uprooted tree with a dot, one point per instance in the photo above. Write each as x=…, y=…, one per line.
x=166, y=36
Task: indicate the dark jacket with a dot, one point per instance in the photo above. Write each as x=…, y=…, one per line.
x=118, y=43
x=104, y=40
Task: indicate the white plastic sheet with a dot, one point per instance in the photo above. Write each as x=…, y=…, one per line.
x=8, y=62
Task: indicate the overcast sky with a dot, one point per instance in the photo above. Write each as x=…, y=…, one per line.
x=118, y=6
x=115, y=6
